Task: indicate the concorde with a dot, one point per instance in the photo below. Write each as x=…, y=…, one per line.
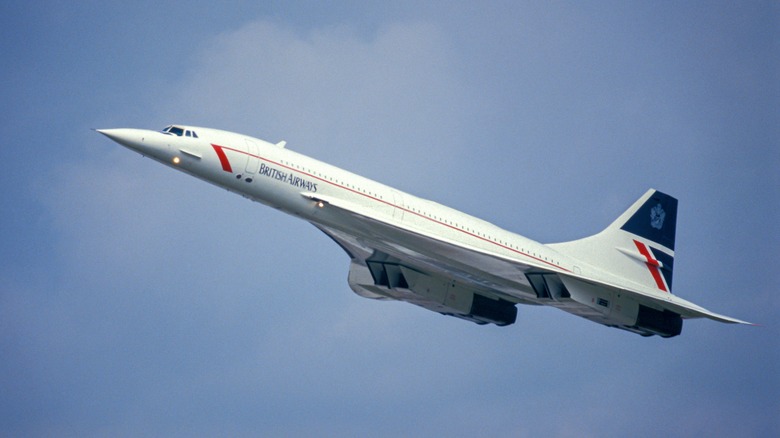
x=405, y=248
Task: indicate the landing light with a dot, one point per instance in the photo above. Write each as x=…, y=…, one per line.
x=320, y=204
x=176, y=160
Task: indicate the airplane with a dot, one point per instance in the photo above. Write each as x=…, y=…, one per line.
x=405, y=248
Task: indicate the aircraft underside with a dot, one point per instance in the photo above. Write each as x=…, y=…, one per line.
x=377, y=275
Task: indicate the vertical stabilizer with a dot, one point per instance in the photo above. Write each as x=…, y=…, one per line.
x=638, y=245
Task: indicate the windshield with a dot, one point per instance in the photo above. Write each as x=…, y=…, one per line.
x=175, y=130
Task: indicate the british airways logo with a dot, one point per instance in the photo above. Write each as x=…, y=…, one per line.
x=289, y=178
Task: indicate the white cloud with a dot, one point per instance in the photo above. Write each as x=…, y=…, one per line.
x=371, y=104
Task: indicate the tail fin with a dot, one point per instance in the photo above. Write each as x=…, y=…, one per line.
x=638, y=245
x=653, y=217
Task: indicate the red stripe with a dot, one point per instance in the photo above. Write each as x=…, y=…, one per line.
x=652, y=265
x=223, y=159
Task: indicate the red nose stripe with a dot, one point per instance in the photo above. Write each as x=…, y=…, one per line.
x=223, y=160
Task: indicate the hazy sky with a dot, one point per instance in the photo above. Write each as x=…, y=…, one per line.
x=137, y=301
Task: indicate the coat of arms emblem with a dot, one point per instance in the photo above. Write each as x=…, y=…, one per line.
x=657, y=216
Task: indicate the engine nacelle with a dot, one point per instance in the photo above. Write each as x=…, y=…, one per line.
x=616, y=308
x=487, y=310
x=656, y=322
x=387, y=279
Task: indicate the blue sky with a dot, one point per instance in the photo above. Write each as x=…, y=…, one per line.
x=138, y=301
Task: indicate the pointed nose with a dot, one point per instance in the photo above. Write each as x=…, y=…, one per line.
x=132, y=138
x=147, y=143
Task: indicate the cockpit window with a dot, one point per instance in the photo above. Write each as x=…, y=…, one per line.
x=175, y=130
